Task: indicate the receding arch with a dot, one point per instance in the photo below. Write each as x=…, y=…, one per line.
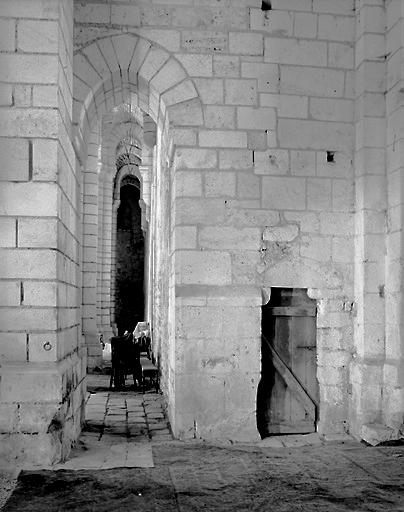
x=122, y=69
x=126, y=74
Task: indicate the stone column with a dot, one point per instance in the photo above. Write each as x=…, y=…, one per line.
x=114, y=218
x=145, y=194
x=393, y=392
x=106, y=256
x=90, y=254
x=370, y=185
x=42, y=363
x=215, y=361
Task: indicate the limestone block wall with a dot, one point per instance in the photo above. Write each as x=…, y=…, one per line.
x=267, y=123
x=261, y=185
x=91, y=245
x=264, y=197
x=370, y=169
x=41, y=360
x=393, y=370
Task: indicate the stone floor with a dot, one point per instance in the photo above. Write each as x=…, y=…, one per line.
x=119, y=427
x=127, y=460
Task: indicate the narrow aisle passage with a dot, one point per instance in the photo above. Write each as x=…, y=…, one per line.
x=120, y=428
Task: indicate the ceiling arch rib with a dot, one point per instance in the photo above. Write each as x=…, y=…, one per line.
x=125, y=69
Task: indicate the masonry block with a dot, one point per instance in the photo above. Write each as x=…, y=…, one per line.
x=37, y=293
x=7, y=232
x=305, y=25
x=168, y=76
x=203, y=267
x=219, y=184
x=204, y=211
x=301, y=134
x=37, y=233
x=223, y=139
x=249, y=118
x=187, y=158
x=22, y=122
x=7, y=35
x=283, y=194
x=229, y=238
x=204, y=41
x=332, y=109
x=240, y=92
x=246, y=43
x=27, y=318
x=292, y=5
x=220, y=117
x=188, y=184
x=92, y=13
x=11, y=293
x=25, y=263
x=337, y=28
x=295, y=51
x=273, y=161
x=13, y=346
x=236, y=159
x=185, y=237
x=6, y=95
x=303, y=163
x=210, y=90
x=36, y=36
x=345, y=7
x=266, y=74
x=274, y=22
x=318, y=193
x=21, y=68
x=311, y=81
x=188, y=113
x=197, y=65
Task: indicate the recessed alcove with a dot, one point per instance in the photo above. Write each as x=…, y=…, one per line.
x=129, y=277
x=288, y=393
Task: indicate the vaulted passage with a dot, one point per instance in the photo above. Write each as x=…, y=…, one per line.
x=129, y=299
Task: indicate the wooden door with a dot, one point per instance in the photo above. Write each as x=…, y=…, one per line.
x=288, y=393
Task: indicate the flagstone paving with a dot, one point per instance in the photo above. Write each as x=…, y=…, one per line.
x=119, y=428
x=127, y=460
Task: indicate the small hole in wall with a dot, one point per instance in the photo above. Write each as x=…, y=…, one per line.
x=330, y=157
x=266, y=5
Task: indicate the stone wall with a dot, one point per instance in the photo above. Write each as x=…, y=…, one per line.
x=275, y=162
x=41, y=359
x=264, y=197
x=393, y=365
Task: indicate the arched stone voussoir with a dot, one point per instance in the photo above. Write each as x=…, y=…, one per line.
x=131, y=69
x=169, y=75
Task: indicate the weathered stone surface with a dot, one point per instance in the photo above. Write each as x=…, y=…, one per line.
x=377, y=433
x=280, y=233
x=270, y=151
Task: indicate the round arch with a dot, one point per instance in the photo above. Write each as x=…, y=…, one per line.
x=115, y=71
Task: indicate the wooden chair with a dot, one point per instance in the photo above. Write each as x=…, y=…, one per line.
x=150, y=372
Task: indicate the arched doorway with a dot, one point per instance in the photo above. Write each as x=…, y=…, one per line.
x=130, y=257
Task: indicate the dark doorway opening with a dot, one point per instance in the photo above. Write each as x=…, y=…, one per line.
x=288, y=394
x=129, y=295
